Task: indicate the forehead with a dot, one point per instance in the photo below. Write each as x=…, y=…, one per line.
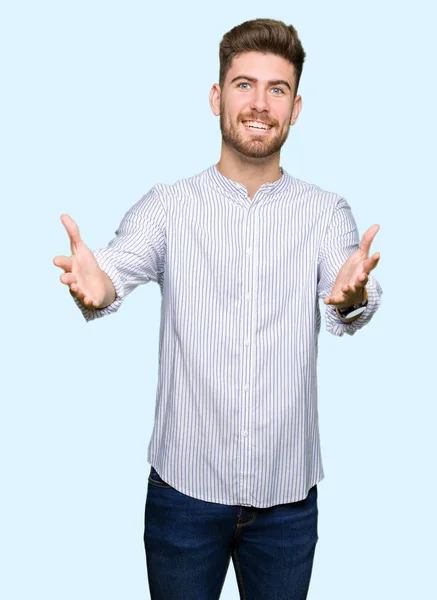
x=262, y=66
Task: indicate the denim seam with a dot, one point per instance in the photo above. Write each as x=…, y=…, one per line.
x=239, y=574
x=158, y=484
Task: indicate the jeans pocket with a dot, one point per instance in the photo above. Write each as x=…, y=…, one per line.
x=155, y=479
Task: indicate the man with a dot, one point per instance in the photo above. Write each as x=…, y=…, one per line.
x=242, y=252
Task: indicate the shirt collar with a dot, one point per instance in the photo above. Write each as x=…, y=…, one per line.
x=233, y=188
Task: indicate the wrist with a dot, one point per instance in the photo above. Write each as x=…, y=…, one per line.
x=347, y=314
x=110, y=293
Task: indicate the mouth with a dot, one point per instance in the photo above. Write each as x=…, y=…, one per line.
x=257, y=126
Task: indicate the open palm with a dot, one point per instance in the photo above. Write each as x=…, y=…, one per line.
x=349, y=286
x=82, y=272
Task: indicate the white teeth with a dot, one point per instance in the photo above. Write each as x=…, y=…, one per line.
x=256, y=125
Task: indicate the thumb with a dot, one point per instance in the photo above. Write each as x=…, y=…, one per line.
x=72, y=229
x=367, y=239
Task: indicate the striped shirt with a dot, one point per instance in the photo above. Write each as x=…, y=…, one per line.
x=236, y=417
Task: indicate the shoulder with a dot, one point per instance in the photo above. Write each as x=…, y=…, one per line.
x=315, y=193
x=181, y=189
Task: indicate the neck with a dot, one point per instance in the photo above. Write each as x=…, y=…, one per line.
x=250, y=173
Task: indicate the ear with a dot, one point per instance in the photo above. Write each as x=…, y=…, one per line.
x=214, y=99
x=296, y=110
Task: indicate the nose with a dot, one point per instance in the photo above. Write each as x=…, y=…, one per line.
x=260, y=100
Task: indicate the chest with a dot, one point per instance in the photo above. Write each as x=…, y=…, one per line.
x=230, y=246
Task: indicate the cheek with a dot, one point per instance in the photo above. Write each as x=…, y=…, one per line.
x=237, y=109
x=285, y=121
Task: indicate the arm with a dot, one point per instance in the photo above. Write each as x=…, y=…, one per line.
x=341, y=241
x=135, y=256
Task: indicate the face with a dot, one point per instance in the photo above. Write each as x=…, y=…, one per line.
x=256, y=88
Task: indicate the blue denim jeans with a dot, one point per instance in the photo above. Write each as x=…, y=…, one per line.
x=189, y=544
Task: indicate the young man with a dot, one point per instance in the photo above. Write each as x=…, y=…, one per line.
x=242, y=252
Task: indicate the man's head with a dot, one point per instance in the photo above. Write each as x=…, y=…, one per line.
x=261, y=64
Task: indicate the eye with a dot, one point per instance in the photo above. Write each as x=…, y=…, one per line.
x=279, y=89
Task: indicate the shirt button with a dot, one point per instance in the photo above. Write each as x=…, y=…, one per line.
x=247, y=296
x=246, y=343
x=245, y=387
x=249, y=251
x=245, y=433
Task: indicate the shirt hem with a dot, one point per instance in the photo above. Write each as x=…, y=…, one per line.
x=222, y=501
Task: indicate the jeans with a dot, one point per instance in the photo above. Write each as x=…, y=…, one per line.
x=189, y=544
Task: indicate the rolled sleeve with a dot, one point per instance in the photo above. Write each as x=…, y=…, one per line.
x=341, y=240
x=135, y=256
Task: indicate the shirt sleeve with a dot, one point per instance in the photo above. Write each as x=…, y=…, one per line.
x=136, y=255
x=341, y=240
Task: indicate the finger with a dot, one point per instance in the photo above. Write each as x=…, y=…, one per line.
x=72, y=229
x=348, y=290
x=361, y=280
x=370, y=263
x=83, y=299
x=68, y=278
x=367, y=239
x=64, y=262
x=86, y=300
x=334, y=300
x=89, y=302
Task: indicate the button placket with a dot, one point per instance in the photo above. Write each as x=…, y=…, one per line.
x=246, y=363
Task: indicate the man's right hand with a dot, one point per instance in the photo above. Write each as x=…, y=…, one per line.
x=85, y=278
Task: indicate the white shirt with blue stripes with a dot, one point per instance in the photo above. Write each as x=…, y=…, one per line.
x=236, y=418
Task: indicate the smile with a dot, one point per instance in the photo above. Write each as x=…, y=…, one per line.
x=257, y=126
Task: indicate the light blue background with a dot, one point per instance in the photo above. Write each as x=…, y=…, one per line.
x=101, y=101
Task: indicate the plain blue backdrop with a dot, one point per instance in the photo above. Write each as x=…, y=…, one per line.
x=101, y=101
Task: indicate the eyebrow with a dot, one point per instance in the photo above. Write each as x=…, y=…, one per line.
x=273, y=82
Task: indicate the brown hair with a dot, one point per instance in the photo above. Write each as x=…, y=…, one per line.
x=261, y=35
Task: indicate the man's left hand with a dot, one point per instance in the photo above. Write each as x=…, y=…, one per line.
x=351, y=279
